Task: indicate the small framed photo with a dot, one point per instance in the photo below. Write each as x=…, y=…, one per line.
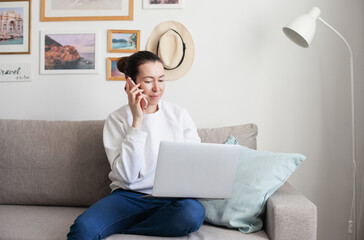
x=160, y=4
x=113, y=73
x=68, y=52
x=86, y=10
x=15, y=21
x=123, y=41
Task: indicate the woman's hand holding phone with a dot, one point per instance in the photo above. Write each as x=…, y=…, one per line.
x=137, y=101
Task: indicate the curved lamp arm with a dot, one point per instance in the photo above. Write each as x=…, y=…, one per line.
x=335, y=31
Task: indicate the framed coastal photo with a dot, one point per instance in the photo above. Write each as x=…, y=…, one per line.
x=15, y=21
x=86, y=10
x=160, y=4
x=113, y=73
x=123, y=41
x=68, y=52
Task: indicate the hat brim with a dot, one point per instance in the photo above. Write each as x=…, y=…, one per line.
x=157, y=33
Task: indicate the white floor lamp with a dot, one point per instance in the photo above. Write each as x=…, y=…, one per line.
x=301, y=31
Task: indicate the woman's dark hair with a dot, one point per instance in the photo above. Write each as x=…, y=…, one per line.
x=130, y=65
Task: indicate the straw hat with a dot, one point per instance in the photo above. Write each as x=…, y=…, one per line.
x=173, y=43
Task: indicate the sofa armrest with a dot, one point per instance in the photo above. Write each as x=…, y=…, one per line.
x=290, y=215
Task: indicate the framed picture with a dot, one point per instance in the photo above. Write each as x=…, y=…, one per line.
x=86, y=10
x=160, y=4
x=113, y=73
x=68, y=52
x=123, y=41
x=15, y=34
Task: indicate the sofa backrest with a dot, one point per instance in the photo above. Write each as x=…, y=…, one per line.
x=245, y=134
x=52, y=162
x=63, y=163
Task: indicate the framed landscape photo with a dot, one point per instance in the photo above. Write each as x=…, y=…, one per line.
x=68, y=52
x=160, y=4
x=86, y=10
x=113, y=73
x=123, y=41
x=15, y=21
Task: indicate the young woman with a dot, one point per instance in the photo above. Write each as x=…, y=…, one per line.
x=131, y=137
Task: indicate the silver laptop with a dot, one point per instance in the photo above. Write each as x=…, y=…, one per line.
x=195, y=170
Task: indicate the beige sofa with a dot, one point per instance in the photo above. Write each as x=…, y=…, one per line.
x=51, y=171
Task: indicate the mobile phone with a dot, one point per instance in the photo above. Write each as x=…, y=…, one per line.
x=143, y=102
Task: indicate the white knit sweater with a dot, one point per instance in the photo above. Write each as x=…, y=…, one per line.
x=133, y=153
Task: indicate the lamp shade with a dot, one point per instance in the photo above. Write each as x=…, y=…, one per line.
x=302, y=29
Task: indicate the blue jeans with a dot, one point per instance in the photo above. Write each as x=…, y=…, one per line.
x=126, y=212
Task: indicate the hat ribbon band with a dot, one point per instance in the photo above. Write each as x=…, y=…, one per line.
x=183, y=56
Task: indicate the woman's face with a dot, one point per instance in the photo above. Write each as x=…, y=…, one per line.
x=151, y=79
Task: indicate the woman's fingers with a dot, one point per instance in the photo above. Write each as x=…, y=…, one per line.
x=135, y=90
x=136, y=93
x=135, y=87
x=139, y=100
x=140, y=97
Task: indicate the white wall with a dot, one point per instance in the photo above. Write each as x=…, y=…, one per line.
x=245, y=70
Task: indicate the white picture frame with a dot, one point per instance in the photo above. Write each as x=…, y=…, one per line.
x=17, y=31
x=85, y=10
x=163, y=4
x=58, y=56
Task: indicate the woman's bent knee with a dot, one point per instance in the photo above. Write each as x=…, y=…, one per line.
x=192, y=215
x=83, y=229
x=197, y=212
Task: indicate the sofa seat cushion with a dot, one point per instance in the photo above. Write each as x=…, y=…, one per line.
x=52, y=223
x=36, y=222
x=206, y=232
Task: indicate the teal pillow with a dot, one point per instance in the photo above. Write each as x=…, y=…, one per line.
x=259, y=174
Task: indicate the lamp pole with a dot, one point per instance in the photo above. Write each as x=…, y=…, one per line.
x=301, y=31
x=352, y=221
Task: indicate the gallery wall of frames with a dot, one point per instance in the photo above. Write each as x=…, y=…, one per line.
x=70, y=51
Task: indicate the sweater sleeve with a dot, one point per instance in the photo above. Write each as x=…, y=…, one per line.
x=124, y=148
x=189, y=129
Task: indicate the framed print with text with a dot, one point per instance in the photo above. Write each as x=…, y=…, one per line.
x=15, y=72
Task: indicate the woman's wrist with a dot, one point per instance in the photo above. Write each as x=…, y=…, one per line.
x=137, y=123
